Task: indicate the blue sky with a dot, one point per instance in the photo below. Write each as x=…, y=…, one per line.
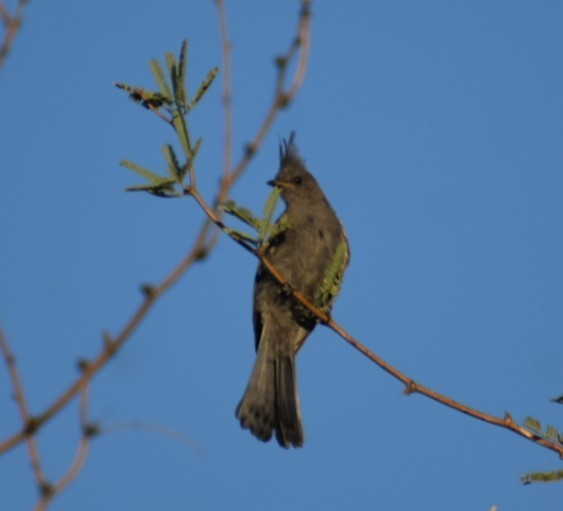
x=435, y=130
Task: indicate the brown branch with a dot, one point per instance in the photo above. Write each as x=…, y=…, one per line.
x=226, y=50
x=410, y=385
x=205, y=241
x=177, y=436
x=21, y=401
x=77, y=464
x=303, y=41
x=111, y=347
x=13, y=24
x=282, y=95
x=4, y=14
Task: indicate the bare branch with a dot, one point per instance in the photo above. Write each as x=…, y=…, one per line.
x=226, y=50
x=13, y=24
x=204, y=243
x=27, y=421
x=79, y=458
x=282, y=95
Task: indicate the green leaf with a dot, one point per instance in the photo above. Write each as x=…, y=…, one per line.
x=269, y=209
x=173, y=166
x=173, y=94
x=182, y=132
x=195, y=148
x=160, y=80
x=553, y=434
x=533, y=424
x=165, y=188
x=158, y=185
x=283, y=224
x=173, y=73
x=203, y=87
x=542, y=477
x=241, y=235
x=182, y=93
x=144, y=97
x=141, y=171
x=177, y=86
x=170, y=60
x=333, y=279
x=189, y=162
x=243, y=214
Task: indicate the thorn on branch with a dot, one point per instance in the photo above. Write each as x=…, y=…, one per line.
x=249, y=150
x=200, y=254
x=111, y=349
x=30, y=427
x=410, y=388
x=46, y=490
x=283, y=100
x=281, y=62
x=147, y=290
x=110, y=346
x=91, y=430
x=306, y=8
x=82, y=364
x=106, y=338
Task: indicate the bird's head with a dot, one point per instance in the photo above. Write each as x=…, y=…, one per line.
x=294, y=180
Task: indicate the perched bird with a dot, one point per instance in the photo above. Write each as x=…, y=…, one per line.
x=311, y=253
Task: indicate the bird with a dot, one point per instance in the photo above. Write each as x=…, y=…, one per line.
x=305, y=252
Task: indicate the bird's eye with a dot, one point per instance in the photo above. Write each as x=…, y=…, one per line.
x=297, y=180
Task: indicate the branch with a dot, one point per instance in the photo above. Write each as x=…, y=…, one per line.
x=204, y=243
x=12, y=24
x=226, y=50
x=88, y=431
x=411, y=386
x=21, y=401
x=283, y=94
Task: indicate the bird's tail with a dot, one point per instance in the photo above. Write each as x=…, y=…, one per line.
x=270, y=403
x=289, y=430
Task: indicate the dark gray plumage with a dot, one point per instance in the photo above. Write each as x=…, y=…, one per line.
x=303, y=254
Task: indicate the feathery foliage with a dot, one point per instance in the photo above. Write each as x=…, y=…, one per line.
x=171, y=104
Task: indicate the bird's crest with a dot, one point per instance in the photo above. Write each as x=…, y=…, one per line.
x=289, y=154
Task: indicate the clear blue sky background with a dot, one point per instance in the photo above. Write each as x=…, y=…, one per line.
x=436, y=131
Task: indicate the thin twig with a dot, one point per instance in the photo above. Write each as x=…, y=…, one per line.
x=303, y=42
x=79, y=458
x=282, y=95
x=177, y=436
x=4, y=14
x=21, y=401
x=204, y=243
x=226, y=60
x=83, y=446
